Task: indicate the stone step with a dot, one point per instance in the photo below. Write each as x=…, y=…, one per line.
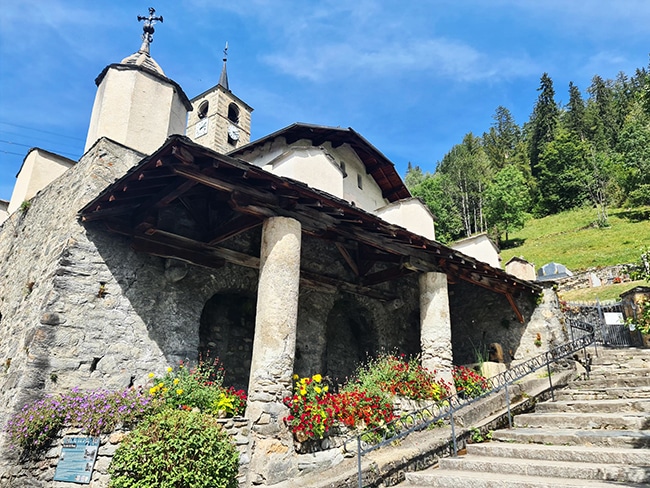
x=548, y=469
x=596, y=393
x=575, y=437
x=617, y=382
x=452, y=479
x=621, y=355
x=615, y=372
x=582, y=420
x=581, y=454
x=615, y=405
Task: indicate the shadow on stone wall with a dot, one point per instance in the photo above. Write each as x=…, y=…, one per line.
x=480, y=317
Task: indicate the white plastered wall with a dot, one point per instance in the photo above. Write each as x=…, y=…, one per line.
x=136, y=109
x=320, y=167
x=479, y=247
x=411, y=214
x=39, y=169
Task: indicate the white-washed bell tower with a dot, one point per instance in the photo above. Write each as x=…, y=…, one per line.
x=136, y=104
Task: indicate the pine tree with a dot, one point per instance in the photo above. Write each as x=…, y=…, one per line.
x=543, y=122
x=501, y=141
x=574, y=117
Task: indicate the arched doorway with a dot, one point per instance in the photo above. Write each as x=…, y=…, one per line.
x=351, y=339
x=226, y=332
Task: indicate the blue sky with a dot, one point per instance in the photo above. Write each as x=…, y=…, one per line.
x=411, y=76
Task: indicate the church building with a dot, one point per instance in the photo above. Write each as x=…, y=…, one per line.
x=175, y=236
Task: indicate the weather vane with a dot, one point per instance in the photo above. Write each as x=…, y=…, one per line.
x=147, y=28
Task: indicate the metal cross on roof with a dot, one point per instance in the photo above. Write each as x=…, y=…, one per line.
x=148, y=29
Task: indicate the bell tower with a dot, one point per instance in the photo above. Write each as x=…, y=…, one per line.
x=220, y=120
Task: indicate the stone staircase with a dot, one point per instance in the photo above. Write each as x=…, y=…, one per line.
x=596, y=433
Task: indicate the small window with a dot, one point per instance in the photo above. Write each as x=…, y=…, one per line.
x=203, y=109
x=233, y=113
x=345, y=173
x=359, y=181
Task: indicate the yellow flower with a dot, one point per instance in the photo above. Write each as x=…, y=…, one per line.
x=317, y=389
x=303, y=392
x=326, y=388
x=165, y=390
x=160, y=385
x=295, y=377
x=317, y=378
x=170, y=369
x=176, y=381
x=152, y=390
x=179, y=391
x=151, y=375
x=303, y=381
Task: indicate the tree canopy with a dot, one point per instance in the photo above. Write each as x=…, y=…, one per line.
x=593, y=150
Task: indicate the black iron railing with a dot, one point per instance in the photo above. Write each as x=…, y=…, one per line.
x=372, y=439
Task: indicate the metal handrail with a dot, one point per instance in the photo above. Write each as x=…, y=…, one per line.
x=422, y=418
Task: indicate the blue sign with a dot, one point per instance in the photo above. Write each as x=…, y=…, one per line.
x=77, y=459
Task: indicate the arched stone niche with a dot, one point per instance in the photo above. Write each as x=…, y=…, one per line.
x=226, y=331
x=351, y=339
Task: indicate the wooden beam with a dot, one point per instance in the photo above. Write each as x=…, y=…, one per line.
x=182, y=242
x=316, y=279
x=387, y=274
x=348, y=258
x=164, y=197
x=166, y=250
x=233, y=228
x=513, y=304
x=102, y=213
x=260, y=196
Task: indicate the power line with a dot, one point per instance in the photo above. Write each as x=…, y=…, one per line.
x=29, y=146
x=39, y=138
x=41, y=130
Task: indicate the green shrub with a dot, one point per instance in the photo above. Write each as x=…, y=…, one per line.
x=640, y=196
x=176, y=449
x=389, y=375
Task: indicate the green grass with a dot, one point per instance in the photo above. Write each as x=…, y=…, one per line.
x=571, y=238
x=602, y=293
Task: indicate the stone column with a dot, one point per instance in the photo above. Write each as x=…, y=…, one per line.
x=435, y=325
x=274, y=350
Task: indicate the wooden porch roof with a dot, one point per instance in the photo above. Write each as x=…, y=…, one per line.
x=226, y=197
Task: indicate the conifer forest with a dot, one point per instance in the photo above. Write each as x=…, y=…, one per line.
x=594, y=151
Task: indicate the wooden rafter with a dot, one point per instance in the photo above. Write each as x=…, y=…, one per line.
x=175, y=172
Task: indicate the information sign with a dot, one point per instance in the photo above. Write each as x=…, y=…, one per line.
x=77, y=459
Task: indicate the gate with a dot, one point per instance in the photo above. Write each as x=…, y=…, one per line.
x=608, y=318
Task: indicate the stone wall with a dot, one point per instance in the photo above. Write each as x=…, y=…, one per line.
x=79, y=308
x=593, y=276
x=481, y=317
x=39, y=473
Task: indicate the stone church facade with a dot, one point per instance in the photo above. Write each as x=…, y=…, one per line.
x=302, y=252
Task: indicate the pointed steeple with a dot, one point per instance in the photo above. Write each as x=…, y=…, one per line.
x=223, y=79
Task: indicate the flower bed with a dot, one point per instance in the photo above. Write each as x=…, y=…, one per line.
x=468, y=383
x=184, y=405
x=366, y=402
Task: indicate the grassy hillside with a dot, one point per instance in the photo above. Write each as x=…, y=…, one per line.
x=571, y=239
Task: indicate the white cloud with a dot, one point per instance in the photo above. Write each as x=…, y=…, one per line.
x=434, y=58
